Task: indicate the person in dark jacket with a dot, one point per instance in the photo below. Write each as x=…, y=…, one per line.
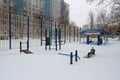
x=93, y=50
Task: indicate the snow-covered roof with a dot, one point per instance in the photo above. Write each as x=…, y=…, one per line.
x=94, y=31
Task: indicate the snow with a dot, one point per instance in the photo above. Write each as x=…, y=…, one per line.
x=48, y=65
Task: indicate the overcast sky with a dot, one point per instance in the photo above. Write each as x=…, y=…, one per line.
x=79, y=10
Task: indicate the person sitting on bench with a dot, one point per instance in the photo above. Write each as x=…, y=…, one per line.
x=93, y=50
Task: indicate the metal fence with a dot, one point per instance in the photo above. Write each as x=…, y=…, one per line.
x=15, y=28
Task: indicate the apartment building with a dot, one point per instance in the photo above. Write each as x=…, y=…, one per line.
x=55, y=12
x=65, y=13
x=49, y=9
x=6, y=5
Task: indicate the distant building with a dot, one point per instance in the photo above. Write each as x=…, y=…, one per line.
x=65, y=13
x=56, y=10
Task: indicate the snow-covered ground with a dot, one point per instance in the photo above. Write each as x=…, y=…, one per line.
x=48, y=65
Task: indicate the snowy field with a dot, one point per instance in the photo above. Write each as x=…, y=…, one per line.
x=48, y=65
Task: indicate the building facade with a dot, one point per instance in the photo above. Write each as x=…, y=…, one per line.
x=65, y=13
x=56, y=10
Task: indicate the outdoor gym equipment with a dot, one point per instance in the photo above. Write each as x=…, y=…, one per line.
x=25, y=50
x=48, y=39
x=71, y=56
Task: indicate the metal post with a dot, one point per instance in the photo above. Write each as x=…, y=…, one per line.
x=87, y=39
x=71, y=58
x=20, y=46
x=98, y=40
x=28, y=30
x=45, y=39
x=56, y=38
x=59, y=39
x=10, y=42
x=76, y=55
x=41, y=30
x=27, y=46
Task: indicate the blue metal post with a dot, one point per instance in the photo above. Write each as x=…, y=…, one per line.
x=98, y=40
x=59, y=39
x=59, y=36
x=10, y=42
x=71, y=58
x=87, y=39
x=41, y=31
x=27, y=46
x=55, y=36
x=28, y=30
x=76, y=55
x=46, y=39
x=20, y=46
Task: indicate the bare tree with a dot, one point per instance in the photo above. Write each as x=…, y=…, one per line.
x=101, y=19
x=85, y=27
x=98, y=1
x=91, y=18
x=115, y=12
x=72, y=23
